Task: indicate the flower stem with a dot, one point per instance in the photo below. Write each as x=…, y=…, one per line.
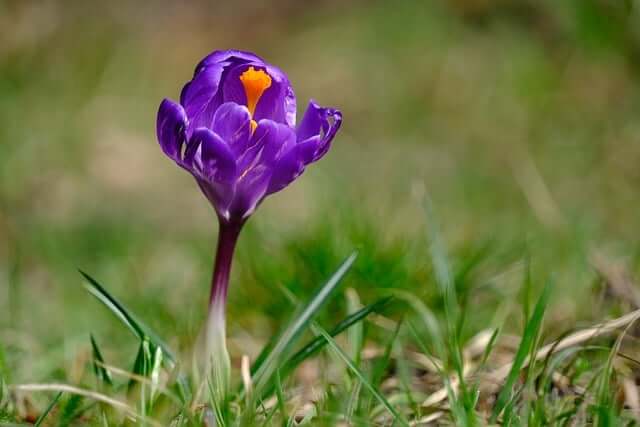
x=227, y=238
x=217, y=356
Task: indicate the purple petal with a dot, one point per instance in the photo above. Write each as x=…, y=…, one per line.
x=226, y=57
x=232, y=123
x=308, y=149
x=171, y=125
x=322, y=123
x=200, y=97
x=267, y=144
x=289, y=167
x=213, y=159
x=250, y=190
x=277, y=103
x=219, y=195
x=255, y=168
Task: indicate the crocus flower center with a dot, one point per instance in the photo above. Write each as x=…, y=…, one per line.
x=255, y=82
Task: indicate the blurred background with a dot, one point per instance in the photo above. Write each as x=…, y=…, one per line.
x=518, y=119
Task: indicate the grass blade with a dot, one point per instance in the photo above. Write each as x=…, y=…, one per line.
x=354, y=369
x=51, y=405
x=138, y=328
x=266, y=370
x=102, y=374
x=528, y=339
x=355, y=335
x=318, y=343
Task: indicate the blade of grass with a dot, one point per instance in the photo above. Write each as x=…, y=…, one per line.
x=155, y=374
x=102, y=374
x=354, y=369
x=606, y=407
x=51, y=405
x=528, y=338
x=381, y=365
x=447, y=288
x=355, y=335
x=318, y=343
x=461, y=403
x=138, y=328
x=266, y=370
x=143, y=362
x=84, y=393
x=280, y=398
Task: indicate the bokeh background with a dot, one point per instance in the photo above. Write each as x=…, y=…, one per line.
x=519, y=120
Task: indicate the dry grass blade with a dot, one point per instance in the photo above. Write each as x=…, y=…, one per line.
x=428, y=419
x=245, y=371
x=66, y=388
x=498, y=375
x=573, y=339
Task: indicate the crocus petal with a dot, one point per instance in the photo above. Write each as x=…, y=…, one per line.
x=213, y=158
x=267, y=144
x=281, y=105
x=308, y=149
x=255, y=168
x=170, y=128
x=219, y=195
x=200, y=97
x=322, y=123
x=289, y=167
x=232, y=122
x=250, y=190
x=277, y=103
x=226, y=57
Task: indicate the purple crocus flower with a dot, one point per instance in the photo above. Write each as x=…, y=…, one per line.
x=235, y=131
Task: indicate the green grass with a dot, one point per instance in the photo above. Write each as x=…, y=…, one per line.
x=517, y=121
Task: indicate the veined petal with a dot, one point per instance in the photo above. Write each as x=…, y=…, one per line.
x=171, y=126
x=201, y=97
x=214, y=160
x=256, y=167
x=250, y=190
x=267, y=144
x=322, y=123
x=289, y=167
x=226, y=57
x=219, y=195
x=232, y=123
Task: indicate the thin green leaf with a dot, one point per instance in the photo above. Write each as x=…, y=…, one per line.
x=354, y=369
x=318, y=343
x=69, y=410
x=528, y=338
x=266, y=370
x=355, y=335
x=143, y=362
x=100, y=371
x=155, y=373
x=447, y=288
x=382, y=363
x=138, y=328
x=51, y=405
x=280, y=397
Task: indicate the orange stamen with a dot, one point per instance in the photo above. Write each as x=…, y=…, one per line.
x=255, y=82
